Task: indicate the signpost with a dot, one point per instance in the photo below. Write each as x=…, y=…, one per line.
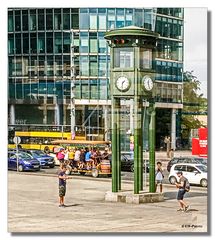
x=17, y=141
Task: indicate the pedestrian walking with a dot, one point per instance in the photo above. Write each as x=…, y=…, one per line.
x=181, y=185
x=159, y=176
x=62, y=185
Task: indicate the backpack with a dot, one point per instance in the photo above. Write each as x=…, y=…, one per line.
x=187, y=185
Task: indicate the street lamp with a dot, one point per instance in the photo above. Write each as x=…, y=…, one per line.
x=72, y=85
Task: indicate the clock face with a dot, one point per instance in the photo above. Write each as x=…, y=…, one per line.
x=148, y=83
x=122, y=83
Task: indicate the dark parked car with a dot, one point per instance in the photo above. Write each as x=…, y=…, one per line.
x=43, y=158
x=196, y=160
x=127, y=163
x=25, y=161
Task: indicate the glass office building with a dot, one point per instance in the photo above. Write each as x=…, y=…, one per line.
x=39, y=65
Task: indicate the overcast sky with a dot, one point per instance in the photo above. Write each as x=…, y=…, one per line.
x=195, y=44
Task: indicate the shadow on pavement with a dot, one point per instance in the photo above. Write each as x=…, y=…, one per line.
x=73, y=205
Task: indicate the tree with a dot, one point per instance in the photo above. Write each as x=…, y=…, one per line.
x=194, y=104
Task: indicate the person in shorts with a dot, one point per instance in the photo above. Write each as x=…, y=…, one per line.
x=159, y=176
x=62, y=185
x=181, y=191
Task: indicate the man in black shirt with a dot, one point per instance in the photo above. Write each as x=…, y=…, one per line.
x=62, y=185
x=181, y=191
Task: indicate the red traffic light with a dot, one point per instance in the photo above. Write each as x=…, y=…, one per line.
x=120, y=41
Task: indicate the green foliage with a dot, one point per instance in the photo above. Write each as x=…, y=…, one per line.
x=194, y=104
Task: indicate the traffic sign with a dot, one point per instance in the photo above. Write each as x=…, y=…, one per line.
x=17, y=140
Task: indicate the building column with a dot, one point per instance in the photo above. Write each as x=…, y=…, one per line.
x=12, y=114
x=57, y=114
x=45, y=111
x=173, y=128
x=64, y=114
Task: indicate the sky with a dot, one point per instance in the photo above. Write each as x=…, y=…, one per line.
x=195, y=44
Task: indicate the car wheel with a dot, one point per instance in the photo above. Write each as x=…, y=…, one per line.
x=38, y=169
x=20, y=168
x=204, y=182
x=172, y=180
x=132, y=168
x=52, y=166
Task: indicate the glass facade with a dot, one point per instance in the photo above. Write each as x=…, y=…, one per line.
x=39, y=55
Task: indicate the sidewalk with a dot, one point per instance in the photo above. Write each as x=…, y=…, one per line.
x=33, y=207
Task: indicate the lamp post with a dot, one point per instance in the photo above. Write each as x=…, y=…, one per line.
x=72, y=86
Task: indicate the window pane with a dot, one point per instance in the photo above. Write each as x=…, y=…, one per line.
x=138, y=18
x=75, y=21
x=84, y=66
x=25, y=22
x=84, y=21
x=49, y=42
x=32, y=22
x=93, y=21
x=57, y=21
x=66, y=42
x=18, y=43
x=41, y=43
x=10, y=23
x=10, y=44
x=49, y=22
x=111, y=21
x=102, y=43
x=93, y=46
x=85, y=89
x=41, y=22
x=94, y=89
x=102, y=22
x=84, y=43
x=58, y=66
x=102, y=66
x=50, y=63
x=145, y=58
x=123, y=57
x=58, y=43
x=17, y=21
x=66, y=21
x=103, y=88
x=25, y=43
x=93, y=66
x=120, y=21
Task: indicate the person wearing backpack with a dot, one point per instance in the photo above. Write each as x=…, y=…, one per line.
x=183, y=187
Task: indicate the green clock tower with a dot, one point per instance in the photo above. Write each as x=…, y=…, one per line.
x=132, y=76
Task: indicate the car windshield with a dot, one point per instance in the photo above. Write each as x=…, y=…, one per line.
x=203, y=168
x=38, y=153
x=24, y=156
x=202, y=160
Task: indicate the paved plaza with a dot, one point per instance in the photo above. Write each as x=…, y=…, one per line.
x=33, y=207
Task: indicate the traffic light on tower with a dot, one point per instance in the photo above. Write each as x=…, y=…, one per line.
x=121, y=41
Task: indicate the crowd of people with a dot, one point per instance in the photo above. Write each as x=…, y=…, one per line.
x=81, y=158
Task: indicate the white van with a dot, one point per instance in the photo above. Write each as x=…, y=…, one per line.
x=195, y=173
